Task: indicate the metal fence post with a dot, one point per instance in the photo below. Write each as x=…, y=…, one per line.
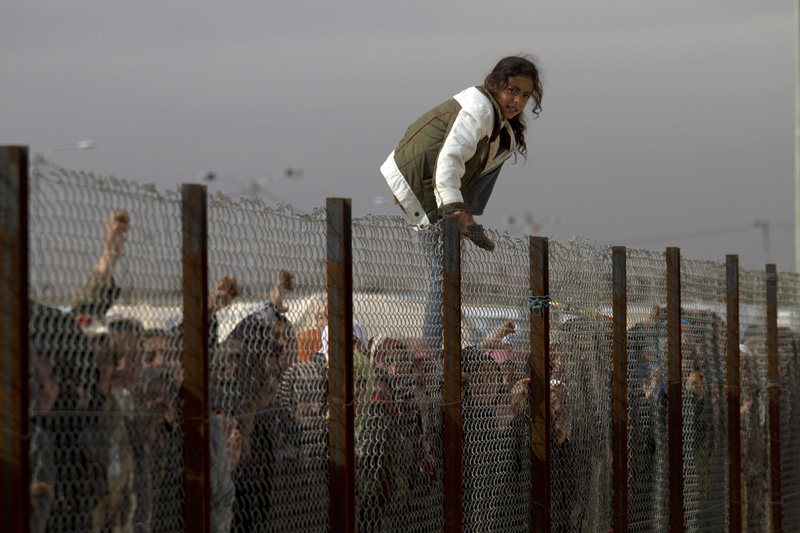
x=774, y=392
x=196, y=450
x=15, y=468
x=541, y=496
x=734, y=397
x=619, y=408
x=451, y=322
x=674, y=390
x=341, y=436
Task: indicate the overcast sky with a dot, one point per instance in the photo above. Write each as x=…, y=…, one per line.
x=660, y=118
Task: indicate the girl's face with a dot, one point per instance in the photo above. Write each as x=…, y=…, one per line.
x=515, y=96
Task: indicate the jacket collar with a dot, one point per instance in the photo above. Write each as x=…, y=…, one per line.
x=499, y=124
x=499, y=121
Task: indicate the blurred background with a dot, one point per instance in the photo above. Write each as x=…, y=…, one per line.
x=666, y=123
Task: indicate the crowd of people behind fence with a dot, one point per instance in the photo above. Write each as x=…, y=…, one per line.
x=107, y=446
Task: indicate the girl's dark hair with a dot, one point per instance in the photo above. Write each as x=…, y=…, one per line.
x=497, y=80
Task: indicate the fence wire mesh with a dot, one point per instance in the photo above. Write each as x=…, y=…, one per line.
x=399, y=450
x=495, y=407
x=754, y=402
x=106, y=443
x=580, y=387
x=648, y=462
x=705, y=413
x=789, y=321
x=268, y=374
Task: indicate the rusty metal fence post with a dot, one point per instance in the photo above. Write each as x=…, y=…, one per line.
x=619, y=400
x=451, y=322
x=15, y=469
x=341, y=436
x=734, y=397
x=196, y=450
x=774, y=394
x=674, y=390
x=541, y=496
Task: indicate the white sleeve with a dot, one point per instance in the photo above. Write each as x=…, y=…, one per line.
x=459, y=146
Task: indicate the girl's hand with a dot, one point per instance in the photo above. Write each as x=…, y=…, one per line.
x=464, y=219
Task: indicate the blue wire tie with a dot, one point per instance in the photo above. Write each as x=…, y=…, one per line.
x=536, y=303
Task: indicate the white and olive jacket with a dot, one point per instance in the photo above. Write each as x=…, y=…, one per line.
x=450, y=157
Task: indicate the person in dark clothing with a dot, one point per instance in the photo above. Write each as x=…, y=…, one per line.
x=57, y=342
x=493, y=440
x=299, y=449
x=567, y=462
x=247, y=371
x=44, y=391
x=158, y=395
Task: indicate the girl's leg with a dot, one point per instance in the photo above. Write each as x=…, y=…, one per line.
x=431, y=242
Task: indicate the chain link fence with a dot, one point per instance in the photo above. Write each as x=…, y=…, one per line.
x=754, y=404
x=106, y=444
x=647, y=373
x=106, y=402
x=265, y=388
x=704, y=376
x=788, y=349
x=580, y=386
x=398, y=381
x=495, y=409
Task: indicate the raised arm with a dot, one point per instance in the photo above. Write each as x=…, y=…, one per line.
x=100, y=291
x=285, y=282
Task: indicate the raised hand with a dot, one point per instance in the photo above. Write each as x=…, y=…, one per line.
x=223, y=293
x=285, y=282
x=116, y=226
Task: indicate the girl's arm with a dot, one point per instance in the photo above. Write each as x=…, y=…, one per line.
x=459, y=146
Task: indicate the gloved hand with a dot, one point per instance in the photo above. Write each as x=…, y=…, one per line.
x=478, y=236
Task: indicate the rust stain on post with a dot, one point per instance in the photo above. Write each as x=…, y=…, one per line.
x=196, y=451
x=774, y=392
x=674, y=390
x=15, y=468
x=341, y=436
x=620, y=393
x=540, y=388
x=451, y=321
x=734, y=399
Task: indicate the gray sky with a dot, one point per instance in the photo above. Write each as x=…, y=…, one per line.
x=660, y=118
